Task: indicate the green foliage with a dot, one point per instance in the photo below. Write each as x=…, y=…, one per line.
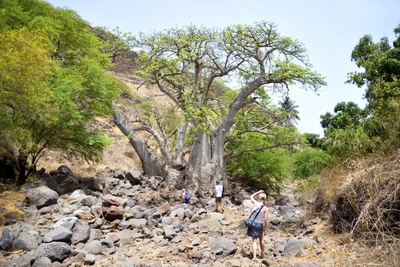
x=116, y=44
x=347, y=115
x=187, y=65
x=314, y=141
x=265, y=168
x=54, y=82
x=309, y=162
x=375, y=129
x=24, y=64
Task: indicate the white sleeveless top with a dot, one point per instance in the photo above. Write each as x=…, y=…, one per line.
x=260, y=216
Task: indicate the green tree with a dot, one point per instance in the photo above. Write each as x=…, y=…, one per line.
x=380, y=78
x=346, y=115
x=59, y=83
x=115, y=43
x=346, y=130
x=187, y=65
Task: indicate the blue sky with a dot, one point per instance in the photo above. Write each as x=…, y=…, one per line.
x=329, y=29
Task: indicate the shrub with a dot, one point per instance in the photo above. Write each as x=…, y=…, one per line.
x=309, y=162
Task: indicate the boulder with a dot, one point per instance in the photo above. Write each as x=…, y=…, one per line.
x=134, y=176
x=113, y=208
x=55, y=251
x=6, y=239
x=80, y=232
x=24, y=241
x=41, y=196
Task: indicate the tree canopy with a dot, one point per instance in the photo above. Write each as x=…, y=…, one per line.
x=190, y=65
x=54, y=82
x=352, y=130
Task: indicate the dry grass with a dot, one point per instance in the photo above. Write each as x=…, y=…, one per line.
x=7, y=205
x=362, y=198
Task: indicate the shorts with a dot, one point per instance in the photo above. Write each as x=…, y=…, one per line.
x=218, y=199
x=256, y=231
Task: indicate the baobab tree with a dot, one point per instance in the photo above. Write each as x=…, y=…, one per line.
x=188, y=65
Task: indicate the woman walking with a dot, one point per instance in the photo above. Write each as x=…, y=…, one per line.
x=259, y=213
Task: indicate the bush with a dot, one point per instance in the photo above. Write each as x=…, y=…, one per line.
x=265, y=169
x=309, y=162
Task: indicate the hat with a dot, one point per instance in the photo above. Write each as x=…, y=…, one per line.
x=217, y=181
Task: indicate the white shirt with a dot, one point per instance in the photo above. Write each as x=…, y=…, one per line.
x=218, y=190
x=260, y=216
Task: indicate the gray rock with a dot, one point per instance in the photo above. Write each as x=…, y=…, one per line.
x=41, y=196
x=23, y=261
x=93, y=247
x=80, y=232
x=68, y=222
x=63, y=169
x=89, y=259
x=42, y=262
x=134, y=176
x=283, y=200
x=223, y=244
x=59, y=233
x=10, y=218
x=295, y=245
x=24, y=241
x=6, y=239
x=156, y=215
x=169, y=233
x=112, y=181
x=77, y=194
x=55, y=251
x=167, y=220
x=134, y=223
x=179, y=212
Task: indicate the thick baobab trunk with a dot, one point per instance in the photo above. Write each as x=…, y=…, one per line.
x=151, y=166
x=206, y=164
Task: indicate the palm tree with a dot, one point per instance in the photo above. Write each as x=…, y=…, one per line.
x=290, y=109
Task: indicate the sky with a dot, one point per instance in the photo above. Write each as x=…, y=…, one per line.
x=329, y=29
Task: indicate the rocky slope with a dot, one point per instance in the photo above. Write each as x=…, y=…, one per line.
x=121, y=218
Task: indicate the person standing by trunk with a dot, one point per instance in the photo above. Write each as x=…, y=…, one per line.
x=184, y=199
x=259, y=213
x=218, y=196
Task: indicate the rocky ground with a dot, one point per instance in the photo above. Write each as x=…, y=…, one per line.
x=120, y=218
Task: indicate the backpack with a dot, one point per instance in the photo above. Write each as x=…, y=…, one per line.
x=187, y=196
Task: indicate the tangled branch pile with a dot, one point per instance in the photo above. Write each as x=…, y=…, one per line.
x=368, y=205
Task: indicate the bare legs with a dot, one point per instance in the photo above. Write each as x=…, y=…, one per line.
x=254, y=246
x=261, y=238
x=217, y=204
